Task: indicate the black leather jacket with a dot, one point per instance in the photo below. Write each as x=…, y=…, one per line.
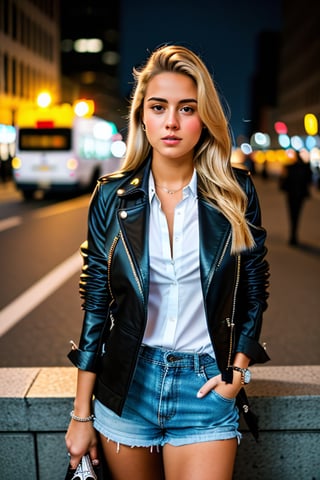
x=115, y=278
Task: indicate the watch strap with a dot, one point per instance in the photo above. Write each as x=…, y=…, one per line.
x=242, y=371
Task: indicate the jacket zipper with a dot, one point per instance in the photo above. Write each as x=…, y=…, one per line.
x=221, y=257
x=110, y=255
x=224, y=251
x=132, y=266
x=230, y=320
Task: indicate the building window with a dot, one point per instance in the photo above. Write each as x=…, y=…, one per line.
x=5, y=12
x=14, y=77
x=6, y=73
x=14, y=22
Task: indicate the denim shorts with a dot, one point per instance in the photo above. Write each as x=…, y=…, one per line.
x=162, y=405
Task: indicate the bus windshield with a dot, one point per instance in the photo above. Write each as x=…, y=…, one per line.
x=44, y=139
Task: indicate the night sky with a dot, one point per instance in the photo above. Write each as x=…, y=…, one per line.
x=225, y=34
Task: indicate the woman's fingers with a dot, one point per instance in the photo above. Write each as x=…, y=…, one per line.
x=208, y=386
x=93, y=452
x=74, y=461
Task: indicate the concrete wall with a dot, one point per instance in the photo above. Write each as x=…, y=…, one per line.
x=35, y=405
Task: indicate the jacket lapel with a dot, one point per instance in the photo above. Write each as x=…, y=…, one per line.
x=214, y=230
x=133, y=218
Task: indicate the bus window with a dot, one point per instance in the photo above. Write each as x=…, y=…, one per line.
x=45, y=139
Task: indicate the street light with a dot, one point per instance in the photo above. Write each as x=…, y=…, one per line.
x=311, y=124
x=44, y=99
x=84, y=108
x=281, y=128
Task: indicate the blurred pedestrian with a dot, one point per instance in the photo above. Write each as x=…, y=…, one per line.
x=295, y=181
x=174, y=285
x=249, y=163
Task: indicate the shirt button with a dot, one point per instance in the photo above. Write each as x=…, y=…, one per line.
x=123, y=214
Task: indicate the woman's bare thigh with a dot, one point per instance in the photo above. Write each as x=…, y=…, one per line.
x=132, y=463
x=212, y=460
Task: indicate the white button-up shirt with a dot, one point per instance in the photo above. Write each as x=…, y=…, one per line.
x=176, y=316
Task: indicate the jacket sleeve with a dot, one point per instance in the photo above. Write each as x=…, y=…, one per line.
x=254, y=283
x=93, y=285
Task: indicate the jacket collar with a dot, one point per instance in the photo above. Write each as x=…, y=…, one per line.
x=214, y=228
x=136, y=184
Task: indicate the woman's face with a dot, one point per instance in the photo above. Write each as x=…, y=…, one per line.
x=170, y=114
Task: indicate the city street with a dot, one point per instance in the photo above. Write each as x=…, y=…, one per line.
x=40, y=272
x=291, y=326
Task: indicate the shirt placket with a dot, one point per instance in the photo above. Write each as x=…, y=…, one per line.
x=172, y=313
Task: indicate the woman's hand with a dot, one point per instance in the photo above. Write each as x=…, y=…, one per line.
x=227, y=390
x=81, y=438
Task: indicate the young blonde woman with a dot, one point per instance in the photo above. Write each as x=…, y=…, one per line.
x=174, y=285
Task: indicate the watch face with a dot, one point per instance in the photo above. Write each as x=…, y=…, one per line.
x=247, y=376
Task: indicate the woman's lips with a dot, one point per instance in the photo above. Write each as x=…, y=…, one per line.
x=171, y=140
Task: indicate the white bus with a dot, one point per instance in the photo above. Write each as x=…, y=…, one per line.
x=58, y=151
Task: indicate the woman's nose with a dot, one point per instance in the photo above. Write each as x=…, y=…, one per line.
x=172, y=122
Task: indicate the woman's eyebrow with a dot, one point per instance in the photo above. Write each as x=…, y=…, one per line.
x=163, y=100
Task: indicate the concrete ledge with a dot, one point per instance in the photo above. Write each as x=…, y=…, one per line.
x=35, y=405
x=287, y=402
x=296, y=391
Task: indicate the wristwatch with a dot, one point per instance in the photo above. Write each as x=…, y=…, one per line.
x=245, y=374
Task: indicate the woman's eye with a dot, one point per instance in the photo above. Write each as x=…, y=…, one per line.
x=157, y=108
x=187, y=109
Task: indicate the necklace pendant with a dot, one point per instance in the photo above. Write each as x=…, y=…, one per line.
x=168, y=190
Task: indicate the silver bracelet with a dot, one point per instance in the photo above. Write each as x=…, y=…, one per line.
x=90, y=418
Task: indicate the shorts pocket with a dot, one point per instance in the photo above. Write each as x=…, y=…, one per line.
x=221, y=397
x=209, y=371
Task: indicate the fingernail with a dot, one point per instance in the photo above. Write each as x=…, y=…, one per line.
x=199, y=394
x=95, y=461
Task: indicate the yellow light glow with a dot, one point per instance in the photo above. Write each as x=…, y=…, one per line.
x=311, y=124
x=271, y=156
x=72, y=164
x=62, y=115
x=259, y=156
x=84, y=108
x=282, y=156
x=16, y=163
x=44, y=99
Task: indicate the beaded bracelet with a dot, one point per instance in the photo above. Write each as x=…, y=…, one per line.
x=90, y=418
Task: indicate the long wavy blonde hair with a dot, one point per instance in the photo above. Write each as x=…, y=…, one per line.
x=212, y=153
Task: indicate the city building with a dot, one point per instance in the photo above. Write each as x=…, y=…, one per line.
x=90, y=55
x=29, y=53
x=298, y=91
x=29, y=61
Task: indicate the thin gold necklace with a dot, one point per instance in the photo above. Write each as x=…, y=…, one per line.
x=169, y=190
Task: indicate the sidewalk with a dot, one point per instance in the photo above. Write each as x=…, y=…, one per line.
x=8, y=191
x=291, y=325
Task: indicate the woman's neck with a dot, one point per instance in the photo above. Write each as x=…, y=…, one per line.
x=172, y=175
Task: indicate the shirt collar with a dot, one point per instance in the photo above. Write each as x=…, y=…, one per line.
x=192, y=185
